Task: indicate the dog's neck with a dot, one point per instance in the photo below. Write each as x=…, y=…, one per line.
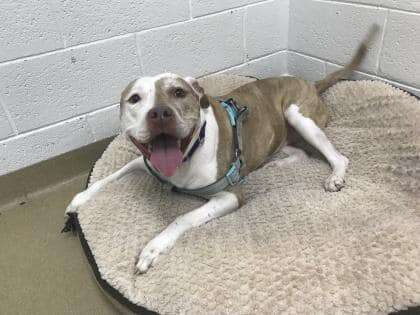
x=198, y=132
x=201, y=169
x=225, y=136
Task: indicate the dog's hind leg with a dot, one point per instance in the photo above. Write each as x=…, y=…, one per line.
x=307, y=128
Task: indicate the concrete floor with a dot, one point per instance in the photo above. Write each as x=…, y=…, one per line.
x=41, y=270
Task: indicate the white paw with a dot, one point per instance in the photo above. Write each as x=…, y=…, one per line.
x=334, y=183
x=149, y=255
x=336, y=180
x=77, y=201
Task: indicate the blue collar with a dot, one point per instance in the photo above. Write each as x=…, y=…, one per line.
x=233, y=175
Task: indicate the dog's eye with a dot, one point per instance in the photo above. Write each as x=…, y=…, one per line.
x=178, y=92
x=134, y=98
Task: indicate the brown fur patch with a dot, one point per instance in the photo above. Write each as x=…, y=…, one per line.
x=265, y=130
x=225, y=146
x=187, y=106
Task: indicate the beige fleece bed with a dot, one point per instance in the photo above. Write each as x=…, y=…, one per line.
x=293, y=248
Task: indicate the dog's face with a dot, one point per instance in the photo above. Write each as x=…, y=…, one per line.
x=160, y=114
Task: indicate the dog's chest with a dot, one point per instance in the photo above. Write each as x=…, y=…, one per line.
x=196, y=176
x=201, y=169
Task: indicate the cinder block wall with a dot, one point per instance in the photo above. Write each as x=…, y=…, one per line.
x=323, y=34
x=64, y=63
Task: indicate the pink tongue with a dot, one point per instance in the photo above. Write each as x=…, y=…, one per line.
x=166, y=155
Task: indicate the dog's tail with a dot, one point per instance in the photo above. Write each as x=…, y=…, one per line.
x=336, y=76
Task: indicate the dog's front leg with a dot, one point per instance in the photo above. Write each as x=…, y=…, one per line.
x=220, y=204
x=82, y=197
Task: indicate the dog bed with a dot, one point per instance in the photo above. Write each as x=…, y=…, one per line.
x=293, y=247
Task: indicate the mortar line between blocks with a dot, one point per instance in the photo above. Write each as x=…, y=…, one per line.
x=288, y=24
x=381, y=43
x=86, y=114
x=79, y=116
x=139, y=54
x=81, y=45
x=308, y=56
x=62, y=35
x=60, y=15
x=244, y=63
x=400, y=85
x=244, y=19
x=99, y=41
x=190, y=8
x=9, y=117
x=202, y=17
x=403, y=85
x=372, y=6
x=57, y=123
x=233, y=8
x=89, y=128
x=320, y=59
x=67, y=49
x=350, y=3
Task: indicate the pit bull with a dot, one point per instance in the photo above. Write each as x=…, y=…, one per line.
x=187, y=139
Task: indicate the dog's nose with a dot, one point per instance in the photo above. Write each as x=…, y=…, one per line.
x=160, y=114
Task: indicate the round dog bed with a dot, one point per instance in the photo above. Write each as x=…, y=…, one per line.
x=293, y=247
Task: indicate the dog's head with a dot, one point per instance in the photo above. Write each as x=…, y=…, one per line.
x=160, y=115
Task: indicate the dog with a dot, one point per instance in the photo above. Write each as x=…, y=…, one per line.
x=165, y=115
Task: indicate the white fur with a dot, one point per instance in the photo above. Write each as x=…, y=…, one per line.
x=200, y=170
x=133, y=118
x=84, y=196
x=307, y=128
x=221, y=204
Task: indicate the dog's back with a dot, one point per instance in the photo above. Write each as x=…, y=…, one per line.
x=266, y=129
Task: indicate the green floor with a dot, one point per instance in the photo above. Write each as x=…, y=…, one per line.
x=41, y=270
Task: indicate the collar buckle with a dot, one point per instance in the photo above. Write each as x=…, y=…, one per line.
x=233, y=175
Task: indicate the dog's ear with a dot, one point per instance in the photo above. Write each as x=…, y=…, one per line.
x=202, y=97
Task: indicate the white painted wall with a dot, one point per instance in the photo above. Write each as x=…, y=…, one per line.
x=64, y=63
x=324, y=33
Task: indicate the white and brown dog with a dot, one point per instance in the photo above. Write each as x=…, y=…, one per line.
x=165, y=114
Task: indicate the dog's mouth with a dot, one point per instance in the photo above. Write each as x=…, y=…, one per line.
x=165, y=152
